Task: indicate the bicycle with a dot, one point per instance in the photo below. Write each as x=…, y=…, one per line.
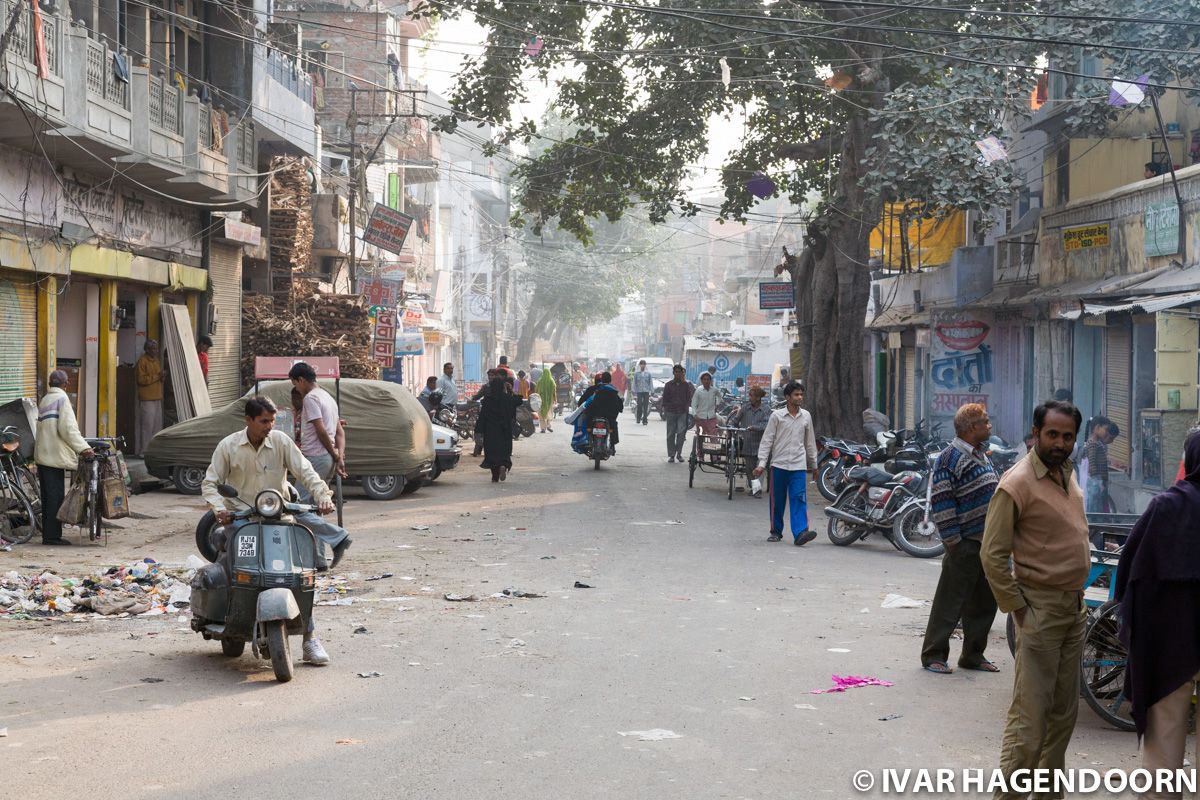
x=93, y=516
x=20, y=512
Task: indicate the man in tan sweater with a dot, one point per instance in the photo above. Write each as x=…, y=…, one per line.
x=1036, y=518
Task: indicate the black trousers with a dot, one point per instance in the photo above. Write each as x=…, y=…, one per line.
x=643, y=407
x=54, y=488
x=962, y=592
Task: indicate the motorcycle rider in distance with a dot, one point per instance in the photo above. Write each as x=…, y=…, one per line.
x=257, y=458
x=606, y=403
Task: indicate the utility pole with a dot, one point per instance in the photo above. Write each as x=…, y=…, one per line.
x=353, y=189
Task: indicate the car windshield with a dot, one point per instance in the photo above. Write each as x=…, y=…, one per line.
x=660, y=371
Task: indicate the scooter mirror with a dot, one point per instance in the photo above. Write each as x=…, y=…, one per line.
x=225, y=490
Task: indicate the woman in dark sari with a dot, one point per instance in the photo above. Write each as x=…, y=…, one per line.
x=497, y=416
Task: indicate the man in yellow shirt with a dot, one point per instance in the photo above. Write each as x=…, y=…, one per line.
x=150, y=374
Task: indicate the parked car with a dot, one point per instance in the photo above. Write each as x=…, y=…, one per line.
x=389, y=438
x=446, y=450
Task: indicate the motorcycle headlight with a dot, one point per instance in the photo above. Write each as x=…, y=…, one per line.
x=269, y=503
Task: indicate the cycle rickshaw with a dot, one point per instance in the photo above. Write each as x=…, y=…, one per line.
x=1102, y=663
x=721, y=454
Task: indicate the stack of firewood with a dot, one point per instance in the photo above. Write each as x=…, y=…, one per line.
x=291, y=226
x=323, y=325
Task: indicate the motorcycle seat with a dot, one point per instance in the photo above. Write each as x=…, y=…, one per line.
x=874, y=476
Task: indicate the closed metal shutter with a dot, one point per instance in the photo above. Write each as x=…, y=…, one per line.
x=18, y=337
x=1118, y=357
x=224, y=360
x=910, y=388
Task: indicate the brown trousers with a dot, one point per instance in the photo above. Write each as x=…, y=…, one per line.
x=1045, y=698
x=1166, y=735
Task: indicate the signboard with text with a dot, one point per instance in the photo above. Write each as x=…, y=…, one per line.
x=410, y=343
x=277, y=367
x=412, y=318
x=387, y=228
x=776, y=295
x=1085, y=237
x=762, y=381
x=1162, y=229
x=960, y=364
x=380, y=291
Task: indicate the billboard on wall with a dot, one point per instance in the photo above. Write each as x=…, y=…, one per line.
x=960, y=364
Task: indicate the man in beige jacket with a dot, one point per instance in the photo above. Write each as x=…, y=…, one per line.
x=56, y=449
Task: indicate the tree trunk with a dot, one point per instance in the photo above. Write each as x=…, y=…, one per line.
x=833, y=284
x=535, y=323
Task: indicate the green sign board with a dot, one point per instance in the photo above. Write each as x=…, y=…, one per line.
x=1162, y=229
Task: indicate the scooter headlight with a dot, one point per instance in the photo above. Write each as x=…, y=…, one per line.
x=269, y=503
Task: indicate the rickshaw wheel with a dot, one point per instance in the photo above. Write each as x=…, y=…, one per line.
x=1102, y=668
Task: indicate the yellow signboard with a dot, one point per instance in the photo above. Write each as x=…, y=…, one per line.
x=1086, y=236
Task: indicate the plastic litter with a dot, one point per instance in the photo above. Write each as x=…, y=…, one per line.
x=142, y=587
x=510, y=592
x=348, y=741
x=380, y=577
x=842, y=683
x=153, y=680
x=461, y=598
x=371, y=674
x=582, y=585
x=900, y=601
x=515, y=643
x=361, y=629
x=419, y=528
x=653, y=735
x=890, y=717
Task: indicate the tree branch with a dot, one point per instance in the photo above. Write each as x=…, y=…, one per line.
x=811, y=151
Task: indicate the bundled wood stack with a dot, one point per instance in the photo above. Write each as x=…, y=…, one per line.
x=291, y=226
x=323, y=325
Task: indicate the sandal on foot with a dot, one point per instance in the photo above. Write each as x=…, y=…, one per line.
x=940, y=667
x=982, y=666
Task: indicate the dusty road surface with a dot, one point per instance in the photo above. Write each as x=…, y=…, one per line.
x=695, y=625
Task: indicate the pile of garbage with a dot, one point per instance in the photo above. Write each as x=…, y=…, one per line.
x=141, y=588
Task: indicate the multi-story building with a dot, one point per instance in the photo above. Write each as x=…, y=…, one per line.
x=133, y=153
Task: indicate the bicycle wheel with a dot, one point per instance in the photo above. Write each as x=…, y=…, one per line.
x=21, y=519
x=1102, y=668
x=28, y=481
x=731, y=468
x=93, y=520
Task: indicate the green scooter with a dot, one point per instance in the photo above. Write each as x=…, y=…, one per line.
x=260, y=588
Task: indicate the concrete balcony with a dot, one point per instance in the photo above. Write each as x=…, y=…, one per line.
x=95, y=112
x=283, y=104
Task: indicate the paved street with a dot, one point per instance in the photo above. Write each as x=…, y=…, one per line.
x=701, y=628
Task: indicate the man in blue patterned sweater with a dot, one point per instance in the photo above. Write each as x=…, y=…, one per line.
x=963, y=484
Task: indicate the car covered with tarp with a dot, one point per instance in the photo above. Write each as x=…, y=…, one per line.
x=389, y=439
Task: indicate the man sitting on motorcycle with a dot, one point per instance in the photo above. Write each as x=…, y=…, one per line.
x=257, y=458
x=606, y=403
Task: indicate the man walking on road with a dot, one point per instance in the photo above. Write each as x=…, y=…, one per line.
x=704, y=405
x=789, y=445
x=1036, y=519
x=676, y=400
x=643, y=385
x=150, y=374
x=963, y=484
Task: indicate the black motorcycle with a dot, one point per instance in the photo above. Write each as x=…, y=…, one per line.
x=598, y=448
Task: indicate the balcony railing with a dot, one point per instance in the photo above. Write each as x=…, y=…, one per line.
x=286, y=71
x=23, y=43
x=165, y=101
x=102, y=80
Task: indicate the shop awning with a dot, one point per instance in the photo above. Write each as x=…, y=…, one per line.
x=1173, y=281
x=1137, y=305
x=897, y=318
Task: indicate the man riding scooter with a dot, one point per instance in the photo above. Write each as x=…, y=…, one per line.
x=606, y=403
x=257, y=458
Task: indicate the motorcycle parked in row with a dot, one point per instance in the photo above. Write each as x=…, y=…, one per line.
x=893, y=500
x=261, y=585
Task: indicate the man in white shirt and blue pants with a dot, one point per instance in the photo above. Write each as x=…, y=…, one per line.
x=789, y=445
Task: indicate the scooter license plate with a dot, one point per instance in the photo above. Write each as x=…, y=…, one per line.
x=599, y=432
x=247, y=546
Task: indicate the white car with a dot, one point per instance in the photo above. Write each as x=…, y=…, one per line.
x=445, y=450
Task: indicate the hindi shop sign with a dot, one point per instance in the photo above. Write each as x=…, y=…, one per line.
x=776, y=295
x=387, y=228
x=380, y=291
x=1085, y=237
x=960, y=363
x=1162, y=229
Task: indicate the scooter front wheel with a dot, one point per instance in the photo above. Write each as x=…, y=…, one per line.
x=281, y=650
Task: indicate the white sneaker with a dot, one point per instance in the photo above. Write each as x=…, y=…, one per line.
x=314, y=653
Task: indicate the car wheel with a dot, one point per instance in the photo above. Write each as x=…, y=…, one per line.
x=411, y=486
x=383, y=487
x=187, y=480
x=437, y=472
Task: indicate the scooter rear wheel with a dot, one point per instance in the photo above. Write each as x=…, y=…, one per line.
x=232, y=648
x=281, y=650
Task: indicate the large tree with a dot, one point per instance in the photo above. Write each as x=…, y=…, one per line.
x=859, y=102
